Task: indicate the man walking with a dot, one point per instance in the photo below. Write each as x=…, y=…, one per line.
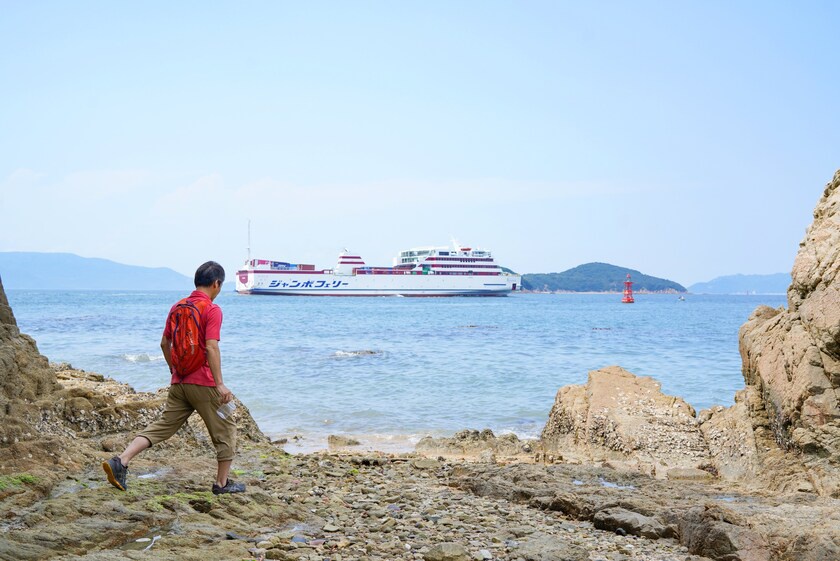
x=190, y=346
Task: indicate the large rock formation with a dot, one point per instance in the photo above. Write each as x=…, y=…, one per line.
x=25, y=377
x=24, y=372
x=627, y=421
x=791, y=358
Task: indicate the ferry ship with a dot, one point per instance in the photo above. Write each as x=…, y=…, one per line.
x=421, y=271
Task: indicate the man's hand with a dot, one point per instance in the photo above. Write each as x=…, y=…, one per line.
x=224, y=393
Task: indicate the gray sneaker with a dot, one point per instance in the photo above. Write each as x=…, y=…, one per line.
x=230, y=487
x=116, y=473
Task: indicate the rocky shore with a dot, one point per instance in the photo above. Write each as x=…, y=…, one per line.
x=622, y=472
x=56, y=503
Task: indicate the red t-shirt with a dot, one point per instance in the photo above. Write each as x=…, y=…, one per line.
x=211, y=321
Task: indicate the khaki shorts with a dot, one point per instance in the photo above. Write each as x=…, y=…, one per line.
x=182, y=401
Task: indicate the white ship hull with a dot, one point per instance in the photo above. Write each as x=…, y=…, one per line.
x=331, y=284
x=425, y=271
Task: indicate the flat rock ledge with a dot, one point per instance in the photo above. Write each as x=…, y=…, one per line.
x=714, y=520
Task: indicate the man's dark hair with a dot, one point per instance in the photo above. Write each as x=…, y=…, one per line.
x=208, y=273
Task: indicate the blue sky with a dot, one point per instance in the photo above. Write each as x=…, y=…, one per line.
x=686, y=140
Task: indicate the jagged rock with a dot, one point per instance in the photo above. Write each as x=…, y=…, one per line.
x=25, y=373
x=791, y=358
x=482, y=445
x=25, y=378
x=731, y=439
x=626, y=420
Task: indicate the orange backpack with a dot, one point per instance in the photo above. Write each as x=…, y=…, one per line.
x=187, y=333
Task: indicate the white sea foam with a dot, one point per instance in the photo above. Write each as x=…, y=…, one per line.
x=346, y=354
x=387, y=443
x=142, y=357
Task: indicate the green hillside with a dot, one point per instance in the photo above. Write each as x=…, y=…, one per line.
x=597, y=277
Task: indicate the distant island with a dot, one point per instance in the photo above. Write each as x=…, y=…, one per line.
x=596, y=277
x=744, y=284
x=66, y=271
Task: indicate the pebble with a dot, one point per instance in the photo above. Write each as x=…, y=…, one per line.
x=426, y=463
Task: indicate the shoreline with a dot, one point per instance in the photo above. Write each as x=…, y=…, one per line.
x=303, y=444
x=313, y=443
x=472, y=496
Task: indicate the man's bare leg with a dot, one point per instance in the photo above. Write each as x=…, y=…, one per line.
x=137, y=445
x=222, y=472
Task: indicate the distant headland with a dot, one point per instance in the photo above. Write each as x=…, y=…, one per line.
x=66, y=271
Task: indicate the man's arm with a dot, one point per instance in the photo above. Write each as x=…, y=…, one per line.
x=164, y=346
x=214, y=359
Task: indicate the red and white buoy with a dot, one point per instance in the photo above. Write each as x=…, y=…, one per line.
x=628, y=291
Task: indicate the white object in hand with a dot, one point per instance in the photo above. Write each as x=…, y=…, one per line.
x=225, y=410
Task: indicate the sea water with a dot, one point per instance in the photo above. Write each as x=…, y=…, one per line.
x=391, y=370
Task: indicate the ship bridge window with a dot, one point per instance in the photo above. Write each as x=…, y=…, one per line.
x=443, y=253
